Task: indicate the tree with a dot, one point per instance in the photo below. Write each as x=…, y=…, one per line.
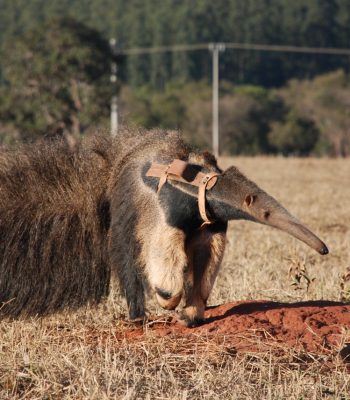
x=57, y=80
x=245, y=118
x=326, y=100
x=137, y=23
x=298, y=135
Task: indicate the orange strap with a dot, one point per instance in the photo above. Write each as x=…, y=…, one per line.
x=182, y=171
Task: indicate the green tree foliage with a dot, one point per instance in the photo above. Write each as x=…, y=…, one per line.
x=245, y=114
x=326, y=100
x=138, y=23
x=297, y=135
x=56, y=81
x=245, y=118
x=306, y=117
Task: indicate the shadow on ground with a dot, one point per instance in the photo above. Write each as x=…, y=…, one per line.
x=314, y=326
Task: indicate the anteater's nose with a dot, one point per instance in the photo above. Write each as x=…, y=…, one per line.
x=324, y=250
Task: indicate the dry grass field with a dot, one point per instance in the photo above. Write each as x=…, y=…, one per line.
x=80, y=355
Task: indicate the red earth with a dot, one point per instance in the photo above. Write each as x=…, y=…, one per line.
x=313, y=326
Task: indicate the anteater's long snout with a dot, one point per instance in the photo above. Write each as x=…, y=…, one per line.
x=301, y=232
x=268, y=211
x=236, y=197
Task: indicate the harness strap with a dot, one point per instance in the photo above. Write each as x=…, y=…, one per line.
x=182, y=171
x=201, y=195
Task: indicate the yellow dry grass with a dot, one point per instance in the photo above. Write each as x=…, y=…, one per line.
x=77, y=355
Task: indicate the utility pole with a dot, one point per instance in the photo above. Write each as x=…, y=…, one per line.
x=113, y=79
x=216, y=48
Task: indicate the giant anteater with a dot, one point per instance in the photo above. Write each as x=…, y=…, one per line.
x=70, y=218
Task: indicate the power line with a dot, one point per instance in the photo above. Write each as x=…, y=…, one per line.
x=163, y=49
x=289, y=49
x=238, y=46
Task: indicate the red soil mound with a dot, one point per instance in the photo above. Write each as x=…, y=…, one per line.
x=314, y=326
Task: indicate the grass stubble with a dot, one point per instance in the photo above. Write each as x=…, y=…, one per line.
x=81, y=355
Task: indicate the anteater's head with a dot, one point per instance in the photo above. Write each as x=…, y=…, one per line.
x=232, y=197
x=236, y=197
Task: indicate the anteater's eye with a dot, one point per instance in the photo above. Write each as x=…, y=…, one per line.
x=266, y=214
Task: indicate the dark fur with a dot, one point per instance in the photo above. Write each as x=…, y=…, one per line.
x=54, y=219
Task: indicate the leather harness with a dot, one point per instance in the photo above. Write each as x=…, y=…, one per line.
x=182, y=171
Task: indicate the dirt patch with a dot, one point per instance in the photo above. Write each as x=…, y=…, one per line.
x=313, y=326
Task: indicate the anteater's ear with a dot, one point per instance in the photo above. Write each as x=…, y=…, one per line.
x=195, y=158
x=249, y=200
x=210, y=159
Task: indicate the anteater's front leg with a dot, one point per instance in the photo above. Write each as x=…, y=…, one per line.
x=166, y=263
x=205, y=250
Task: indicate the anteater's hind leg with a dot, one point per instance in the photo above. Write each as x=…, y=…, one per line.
x=124, y=259
x=132, y=284
x=135, y=295
x=166, y=263
x=205, y=251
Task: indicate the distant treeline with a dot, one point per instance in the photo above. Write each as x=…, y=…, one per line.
x=305, y=117
x=56, y=82
x=135, y=23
